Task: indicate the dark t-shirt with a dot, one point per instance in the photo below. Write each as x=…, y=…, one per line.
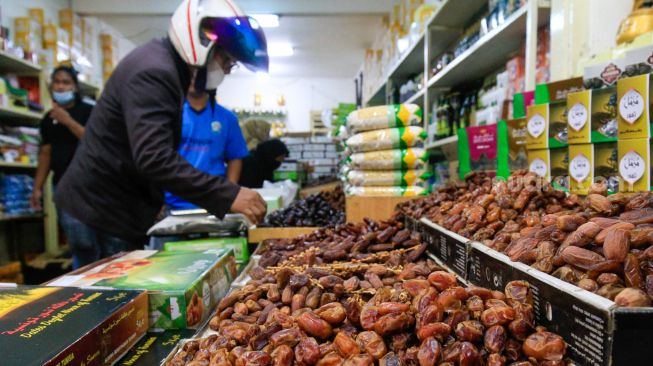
x=63, y=142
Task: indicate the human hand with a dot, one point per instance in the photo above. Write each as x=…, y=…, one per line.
x=60, y=115
x=35, y=199
x=250, y=204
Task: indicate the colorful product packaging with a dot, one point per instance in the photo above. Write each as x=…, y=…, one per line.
x=592, y=116
x=633, y=101
x=411, y=158
x=401, y=178
x=589, y=163
x=603, y=73
x=546, y=126
x=557, y=91
x=386, y=139
x=238, y=245
x=56, y=326
x=552, y=164
x=183, y=286
x=410, y=191
x=484, y=148
x=634, y=165
x=387, y=116
x=517, y=142
x=154, y=347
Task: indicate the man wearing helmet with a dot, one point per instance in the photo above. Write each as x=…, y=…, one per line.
x=128, y=156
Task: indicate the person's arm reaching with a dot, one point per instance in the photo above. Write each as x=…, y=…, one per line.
x=234, y=167
x=62, y=116
x=42, y=171
x=150, y=120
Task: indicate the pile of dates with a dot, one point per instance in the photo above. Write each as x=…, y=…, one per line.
x=601, y=243
x=365, y=241
x=423, y=319
x=335, y=197
x=320, y=209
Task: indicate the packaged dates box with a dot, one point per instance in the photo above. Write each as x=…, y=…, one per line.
x=183, y=286
x=154, y=347
x=69, y=326
x=597, y=332
x=238, y=245
x=592, y=116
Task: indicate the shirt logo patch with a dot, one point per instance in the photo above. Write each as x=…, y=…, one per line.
x=216, y=126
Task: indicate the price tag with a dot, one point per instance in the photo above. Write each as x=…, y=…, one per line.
x=538, y=166
x=579, y=168
x=632, y=167
x=631, y=106
x=536, y=125
x=577, y=116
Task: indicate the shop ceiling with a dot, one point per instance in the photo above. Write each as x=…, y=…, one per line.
x=329, y=36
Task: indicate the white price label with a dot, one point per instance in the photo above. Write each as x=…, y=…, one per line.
x=579, y=168
x=577, y=116
x=536, y=125
x=632, y=167
x=538, y=166
x=631, y=106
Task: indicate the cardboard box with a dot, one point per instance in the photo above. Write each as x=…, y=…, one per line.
x=639, y=61
x=37, y=14
x=603, y=73
x=546, y=125
x=295, y=148
x=183, y=287
x=238, y=245
x=482, y=148
x=28, y=34
x=69, y=326
x=552, y=164
x=517, y=144
x=633, y=101
x=590, y=163
x=316, y=162
x=557, y=91
x=634, y=165
x=154, y=347
x=592, y=116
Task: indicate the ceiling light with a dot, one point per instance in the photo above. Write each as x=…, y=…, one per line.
x=267, y=20
x=263, y=77
x=280, y=50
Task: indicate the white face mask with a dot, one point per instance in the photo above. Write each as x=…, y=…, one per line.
x=214, y=74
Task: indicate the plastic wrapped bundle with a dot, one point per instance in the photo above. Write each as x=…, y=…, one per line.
x=404, y=159
x=387, y=116
x=379, y=178
x=386, y=139
x=389, y=191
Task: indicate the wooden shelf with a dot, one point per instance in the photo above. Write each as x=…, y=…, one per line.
x=12, y=64
x=22, y=115
x=5, y=164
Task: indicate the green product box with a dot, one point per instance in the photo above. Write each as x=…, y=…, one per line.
x=551, y=164
x=517, y=152
x=183, y=286
x=293, y=176
x=557, y=91
x=592, y=116
x=546, y=126
x=239, y=246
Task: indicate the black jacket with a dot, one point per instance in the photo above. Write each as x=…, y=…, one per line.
x=128, y=155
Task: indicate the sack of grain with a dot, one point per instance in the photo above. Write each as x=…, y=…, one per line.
x=387, y=191
x=386, y=139
x=379, y=178
x=387, y=116
x=398, y=159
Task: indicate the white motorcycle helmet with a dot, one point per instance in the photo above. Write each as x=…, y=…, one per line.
x=197, y=27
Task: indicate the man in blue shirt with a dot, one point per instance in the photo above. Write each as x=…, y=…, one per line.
x=211, y=141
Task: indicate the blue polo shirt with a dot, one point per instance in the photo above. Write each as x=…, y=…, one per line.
x=209, y=138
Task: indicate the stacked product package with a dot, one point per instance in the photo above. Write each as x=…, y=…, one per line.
x=387, y=157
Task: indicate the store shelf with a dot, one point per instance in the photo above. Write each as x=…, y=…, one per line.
x=489, y=53
x=378, y=97
x=443, y=142
x=5, y=218
x=411, y=63
x=21, y=115
x=6, y=164
x=12, y=64
x=417, y=98
x=449, y=22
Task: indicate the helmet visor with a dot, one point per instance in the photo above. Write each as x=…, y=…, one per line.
x=241, y=37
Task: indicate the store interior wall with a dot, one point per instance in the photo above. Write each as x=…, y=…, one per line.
x=302, y=95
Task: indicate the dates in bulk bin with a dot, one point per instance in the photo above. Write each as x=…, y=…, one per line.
x=601, y=244
x=320, y=209
x=418, y=315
